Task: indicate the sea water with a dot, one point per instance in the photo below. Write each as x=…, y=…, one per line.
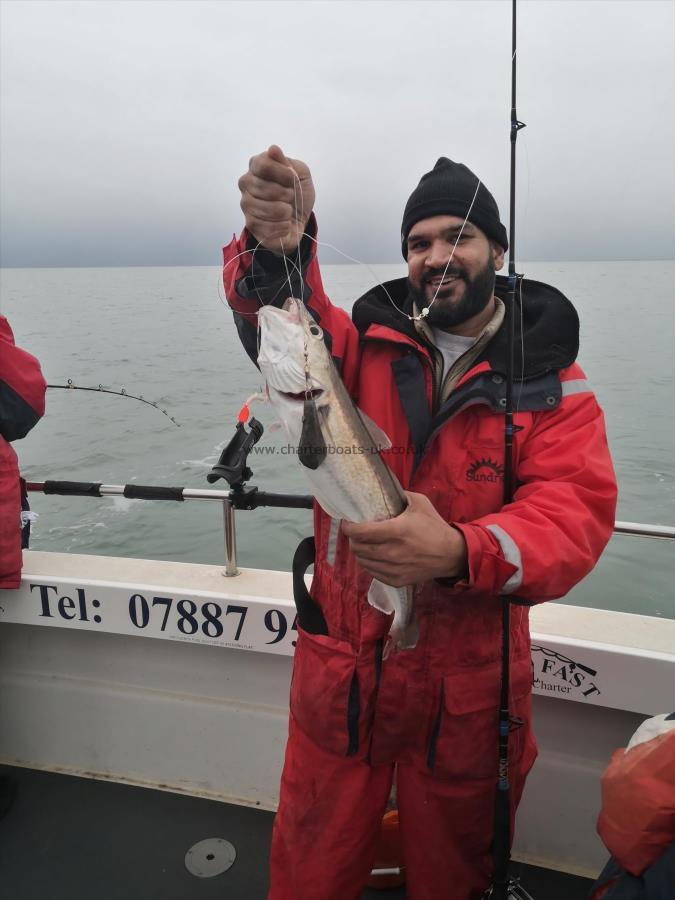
x=166, y=334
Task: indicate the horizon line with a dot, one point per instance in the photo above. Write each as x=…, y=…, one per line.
x=365, y=263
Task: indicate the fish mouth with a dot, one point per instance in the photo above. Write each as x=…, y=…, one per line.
x=301, y=396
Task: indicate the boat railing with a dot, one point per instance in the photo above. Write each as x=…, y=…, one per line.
x=246, y=498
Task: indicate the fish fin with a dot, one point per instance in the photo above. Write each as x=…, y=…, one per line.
x=405, y=639
x=382, y=442
x=382, y=596
x=379, y=438
x=398, y=485
x=404, y=632
x=408, y=635
x=386, y=649
x=312, y=449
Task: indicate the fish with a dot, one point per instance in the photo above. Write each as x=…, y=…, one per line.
x=338, y=445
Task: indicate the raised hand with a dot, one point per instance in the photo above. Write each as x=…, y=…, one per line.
x=277, y=198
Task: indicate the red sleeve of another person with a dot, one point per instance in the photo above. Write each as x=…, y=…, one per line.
x=22, y=403
x=22, y=387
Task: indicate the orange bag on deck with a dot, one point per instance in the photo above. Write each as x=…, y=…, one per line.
x=389, y=854
x=389, y=849
x=637, y=821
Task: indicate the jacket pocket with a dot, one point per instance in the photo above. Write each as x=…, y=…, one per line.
x=325, y=696
x=465, y=736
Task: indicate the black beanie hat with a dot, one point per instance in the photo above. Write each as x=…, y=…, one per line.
x=448, y=191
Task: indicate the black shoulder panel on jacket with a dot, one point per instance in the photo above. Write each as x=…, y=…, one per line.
x=378, y=307
x=489, y=388
x=272, y=278
x=17, y=417
x=248, y=335
x=549, y=334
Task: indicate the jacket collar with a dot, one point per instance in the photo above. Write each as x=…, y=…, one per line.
x=546, y=325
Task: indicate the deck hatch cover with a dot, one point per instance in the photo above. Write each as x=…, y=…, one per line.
x=210, y=857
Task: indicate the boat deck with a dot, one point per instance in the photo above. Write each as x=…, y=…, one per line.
x=66, y=838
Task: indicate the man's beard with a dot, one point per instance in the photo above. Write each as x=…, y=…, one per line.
x=443, y=312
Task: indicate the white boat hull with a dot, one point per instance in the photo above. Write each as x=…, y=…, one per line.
x=206, y=713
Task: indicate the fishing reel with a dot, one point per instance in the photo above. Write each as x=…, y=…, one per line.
x=233, y=462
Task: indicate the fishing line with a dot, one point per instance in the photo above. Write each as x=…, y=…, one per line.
x=252, y=253
x=305, y=346
x=360, y=263
x=298, y=210
x=287, y=261
x=299, y=207
x=301, y=219
x=298, y=268
x=223, y=299
x=288, y=276
x=425, y=311
x=220, y=285
x=221, y=272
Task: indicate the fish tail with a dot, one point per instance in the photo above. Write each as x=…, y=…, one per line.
x=383, y=596
x=404, y=635
x=404, y=632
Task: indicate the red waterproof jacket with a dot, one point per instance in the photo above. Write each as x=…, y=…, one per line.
x=440, y=698
x=22, y=403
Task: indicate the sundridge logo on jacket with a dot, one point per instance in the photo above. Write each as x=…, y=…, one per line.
x=553, y=673
x=485, y=471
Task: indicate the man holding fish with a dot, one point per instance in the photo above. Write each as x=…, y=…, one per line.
x=397, y=667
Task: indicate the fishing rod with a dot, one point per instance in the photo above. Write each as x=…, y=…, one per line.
x=503, y=887
x=121, y=393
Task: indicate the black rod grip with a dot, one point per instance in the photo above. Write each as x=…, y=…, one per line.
x=150, y=492
x=286, y=501
x=73, y=488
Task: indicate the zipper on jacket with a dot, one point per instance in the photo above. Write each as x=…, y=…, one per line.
x=379, y=650
x=353, y=715
x=447, y=382
x=431, y=358
x=436, y=380
x=431, y=754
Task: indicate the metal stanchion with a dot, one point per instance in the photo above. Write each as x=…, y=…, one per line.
x=230, y=569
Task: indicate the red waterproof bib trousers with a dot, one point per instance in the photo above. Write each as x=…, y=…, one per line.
x=431, y=712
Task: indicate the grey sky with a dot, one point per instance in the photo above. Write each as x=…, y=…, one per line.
x=126, y=125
